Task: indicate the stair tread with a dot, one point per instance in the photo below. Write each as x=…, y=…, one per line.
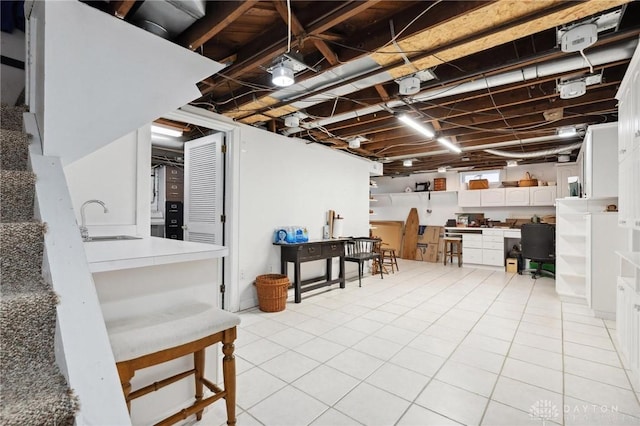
x=14, y=149
x=11, y=116
x=39, y=395
x=17, y=189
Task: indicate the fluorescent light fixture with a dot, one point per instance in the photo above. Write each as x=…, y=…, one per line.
x=282, y=76
x=567, y=132
x=166, y=131
x=448, y=144
x=512, y=163
x=442, y=170
x=407, y=163
x=417, y=126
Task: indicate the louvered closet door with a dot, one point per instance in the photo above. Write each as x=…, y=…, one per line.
x=203, y=180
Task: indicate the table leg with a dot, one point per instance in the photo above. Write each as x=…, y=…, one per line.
x=341, y=274
x=329, y=269
x=296, y=277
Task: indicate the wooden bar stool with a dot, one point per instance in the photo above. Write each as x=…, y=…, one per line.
x=451, y=243
x=389, y=258
x=144, y=341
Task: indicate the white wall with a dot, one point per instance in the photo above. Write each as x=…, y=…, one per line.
x=103, y=77
x=444, y=206
x=286, y=181
x=118, y=175
x=11, y=79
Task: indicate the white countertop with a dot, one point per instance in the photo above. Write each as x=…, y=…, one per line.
x=125, y=254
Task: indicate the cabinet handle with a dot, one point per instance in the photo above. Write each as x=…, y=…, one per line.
x=636, y=307
x=622, y=151
x=622, y=222
x=621, y=288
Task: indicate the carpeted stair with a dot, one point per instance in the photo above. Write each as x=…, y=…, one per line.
x=32, y=390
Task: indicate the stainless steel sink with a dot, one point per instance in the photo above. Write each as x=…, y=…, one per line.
x=111, y=238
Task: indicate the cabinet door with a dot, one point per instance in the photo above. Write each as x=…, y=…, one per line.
x=626, y=199
x=472, y=255
x=632, y=188
x=492, y=197
x=516, y=196
x=621, y=316
x=493, y=257
x=542, y=195
x=469, y=198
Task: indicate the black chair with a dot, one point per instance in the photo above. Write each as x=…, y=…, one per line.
x=538, y=241
x=362, y=249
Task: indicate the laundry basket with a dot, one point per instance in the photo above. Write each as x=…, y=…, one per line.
x=272, y=292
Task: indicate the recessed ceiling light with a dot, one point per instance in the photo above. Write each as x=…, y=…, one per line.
x=282, y=76
x=512, y=163
x=442, y=169
x=407, y=163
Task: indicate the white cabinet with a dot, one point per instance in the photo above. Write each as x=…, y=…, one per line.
x=542, y=195
x=496, y=197
x=628, y=327
x=586, y=240
x=492, y=197
x=493, y=247
x=629, y=145
x=469, y=198
x=599, y=159
x=563, y=173
x=472, y=248
x=516, y=196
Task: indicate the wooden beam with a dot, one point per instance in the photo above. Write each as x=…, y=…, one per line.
x=121, y=8
x=214, y=22
x=273, y=43
x=298, y=30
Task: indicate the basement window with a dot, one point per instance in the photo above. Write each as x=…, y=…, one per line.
x=493, y=176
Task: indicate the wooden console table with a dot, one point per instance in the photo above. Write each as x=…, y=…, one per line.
x=307, y=252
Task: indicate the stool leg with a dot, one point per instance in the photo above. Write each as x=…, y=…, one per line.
x=459, y=255
x=395, y=260
x=198, y=364
x=126, y=374
x=229, y=373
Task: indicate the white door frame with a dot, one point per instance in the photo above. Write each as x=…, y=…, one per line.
x=204, y=118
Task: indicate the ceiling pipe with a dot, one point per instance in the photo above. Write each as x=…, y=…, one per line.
x=576, y=62
x=536, y=154
x=484, y=147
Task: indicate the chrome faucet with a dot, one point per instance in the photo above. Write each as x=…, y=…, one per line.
x=84, y=232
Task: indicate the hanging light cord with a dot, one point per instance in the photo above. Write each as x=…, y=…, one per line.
x=587, y=60
x=288, y=26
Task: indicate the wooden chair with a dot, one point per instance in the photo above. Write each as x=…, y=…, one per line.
x=362, y=249
x=389, y=258
x=144, y=341
x=451, y=243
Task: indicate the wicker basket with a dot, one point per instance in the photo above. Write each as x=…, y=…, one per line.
x=527, y=180
x=272, y=292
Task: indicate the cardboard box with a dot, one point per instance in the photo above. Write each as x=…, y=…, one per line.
x=431, y=235
x=512, y=265
x=432, y=253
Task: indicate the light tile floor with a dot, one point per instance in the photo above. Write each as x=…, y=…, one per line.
x=430, y=345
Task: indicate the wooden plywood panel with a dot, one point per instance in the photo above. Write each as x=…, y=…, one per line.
x=390, y=231
x=410, y=242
